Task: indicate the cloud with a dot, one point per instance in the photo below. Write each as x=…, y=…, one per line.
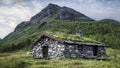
x=4, y=30
x=1, y=20
x=98, y=10
x=13, y=25
x=12, y=12
x=37, y=6
x=10, y=16
x=17, y=1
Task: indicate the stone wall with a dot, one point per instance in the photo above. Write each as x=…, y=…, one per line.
x=101, y=51
x=55, y=49
x=87, y=51
x=71, y=51
x=76, y=51
x=37, y=50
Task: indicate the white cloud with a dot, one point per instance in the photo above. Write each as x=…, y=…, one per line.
x=2, y=20
x=9, y=1
x=12, y=12
x=10, y=16
x=13, y=25
x=37, y=5
x=4, y=31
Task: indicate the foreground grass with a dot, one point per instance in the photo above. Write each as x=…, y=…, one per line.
x=21, y=60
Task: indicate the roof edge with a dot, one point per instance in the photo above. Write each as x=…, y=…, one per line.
x=48, y=36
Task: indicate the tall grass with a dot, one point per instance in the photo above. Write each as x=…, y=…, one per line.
x=12, y=63
x=22, y=60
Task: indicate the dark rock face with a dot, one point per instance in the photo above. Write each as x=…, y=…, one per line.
x=110, y=21
x=70, y=14
x=22, y=25
x=50, y=10
x=66, y=13
x=63, y=13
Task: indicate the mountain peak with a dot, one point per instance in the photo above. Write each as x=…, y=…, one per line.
x=48, y=11
x=63, y=13
x=51, y=4
x=55, y=12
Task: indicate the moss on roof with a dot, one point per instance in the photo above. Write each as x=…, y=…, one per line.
x=71, y=37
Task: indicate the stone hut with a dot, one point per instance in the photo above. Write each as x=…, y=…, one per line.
x=47, y=46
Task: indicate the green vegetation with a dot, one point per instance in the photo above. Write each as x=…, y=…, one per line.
x=20, y=59
x=98, y=32
x=71, y=37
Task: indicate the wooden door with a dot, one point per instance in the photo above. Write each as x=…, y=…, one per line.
x=95, y=50
x=45, y=51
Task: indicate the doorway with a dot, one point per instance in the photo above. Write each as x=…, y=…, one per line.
x=45, y=51
x=95, y=50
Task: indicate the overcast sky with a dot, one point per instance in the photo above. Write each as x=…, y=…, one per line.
x=13, y=12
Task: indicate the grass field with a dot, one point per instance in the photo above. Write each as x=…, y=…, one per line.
x=20, y=59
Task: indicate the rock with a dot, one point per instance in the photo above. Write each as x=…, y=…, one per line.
x=109, y=21
x=22, y=25
x=66, y=13
x=50, y=10
x=63, y=13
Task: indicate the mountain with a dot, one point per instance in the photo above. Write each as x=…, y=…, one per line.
x=62, y=21
x=49, y=11
x=62, y=13
x=66, y=13
x=109, y=21
x=56, y=12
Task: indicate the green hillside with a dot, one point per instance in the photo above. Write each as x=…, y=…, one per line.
x=102, y=32
x=63, y=22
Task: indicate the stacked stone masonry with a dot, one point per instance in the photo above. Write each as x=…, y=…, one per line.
x=57, y=49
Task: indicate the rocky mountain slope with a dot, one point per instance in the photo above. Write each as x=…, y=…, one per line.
x=56, y=12
x=110, y=21
x=60, y=20
x=62, y=13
